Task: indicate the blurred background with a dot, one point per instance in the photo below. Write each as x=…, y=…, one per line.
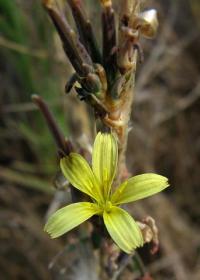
x=165, y=138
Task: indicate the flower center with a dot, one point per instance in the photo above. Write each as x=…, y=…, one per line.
x=108, y=206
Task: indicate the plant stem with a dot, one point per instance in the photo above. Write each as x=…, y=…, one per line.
x=63, y=146
x=119, y=117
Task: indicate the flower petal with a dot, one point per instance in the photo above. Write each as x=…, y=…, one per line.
x=139, y=187
x=123, y=229
x=104, y=159
x=78, y=172
x=69, y=217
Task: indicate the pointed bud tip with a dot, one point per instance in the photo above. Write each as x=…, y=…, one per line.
x=106, y=3
x=35, y=97
x=149, y=24
x=47, y=3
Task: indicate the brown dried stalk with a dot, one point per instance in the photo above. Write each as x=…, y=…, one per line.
x=106, y=81
x=64, y=146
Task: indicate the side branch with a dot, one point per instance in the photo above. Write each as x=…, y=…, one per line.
x=85, y=30
x=64, y=147
x=109, y=41
x=73, y=48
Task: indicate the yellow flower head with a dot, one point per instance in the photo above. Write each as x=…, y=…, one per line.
x=96, y=182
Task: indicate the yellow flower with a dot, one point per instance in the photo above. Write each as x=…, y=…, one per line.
x=96, y=182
